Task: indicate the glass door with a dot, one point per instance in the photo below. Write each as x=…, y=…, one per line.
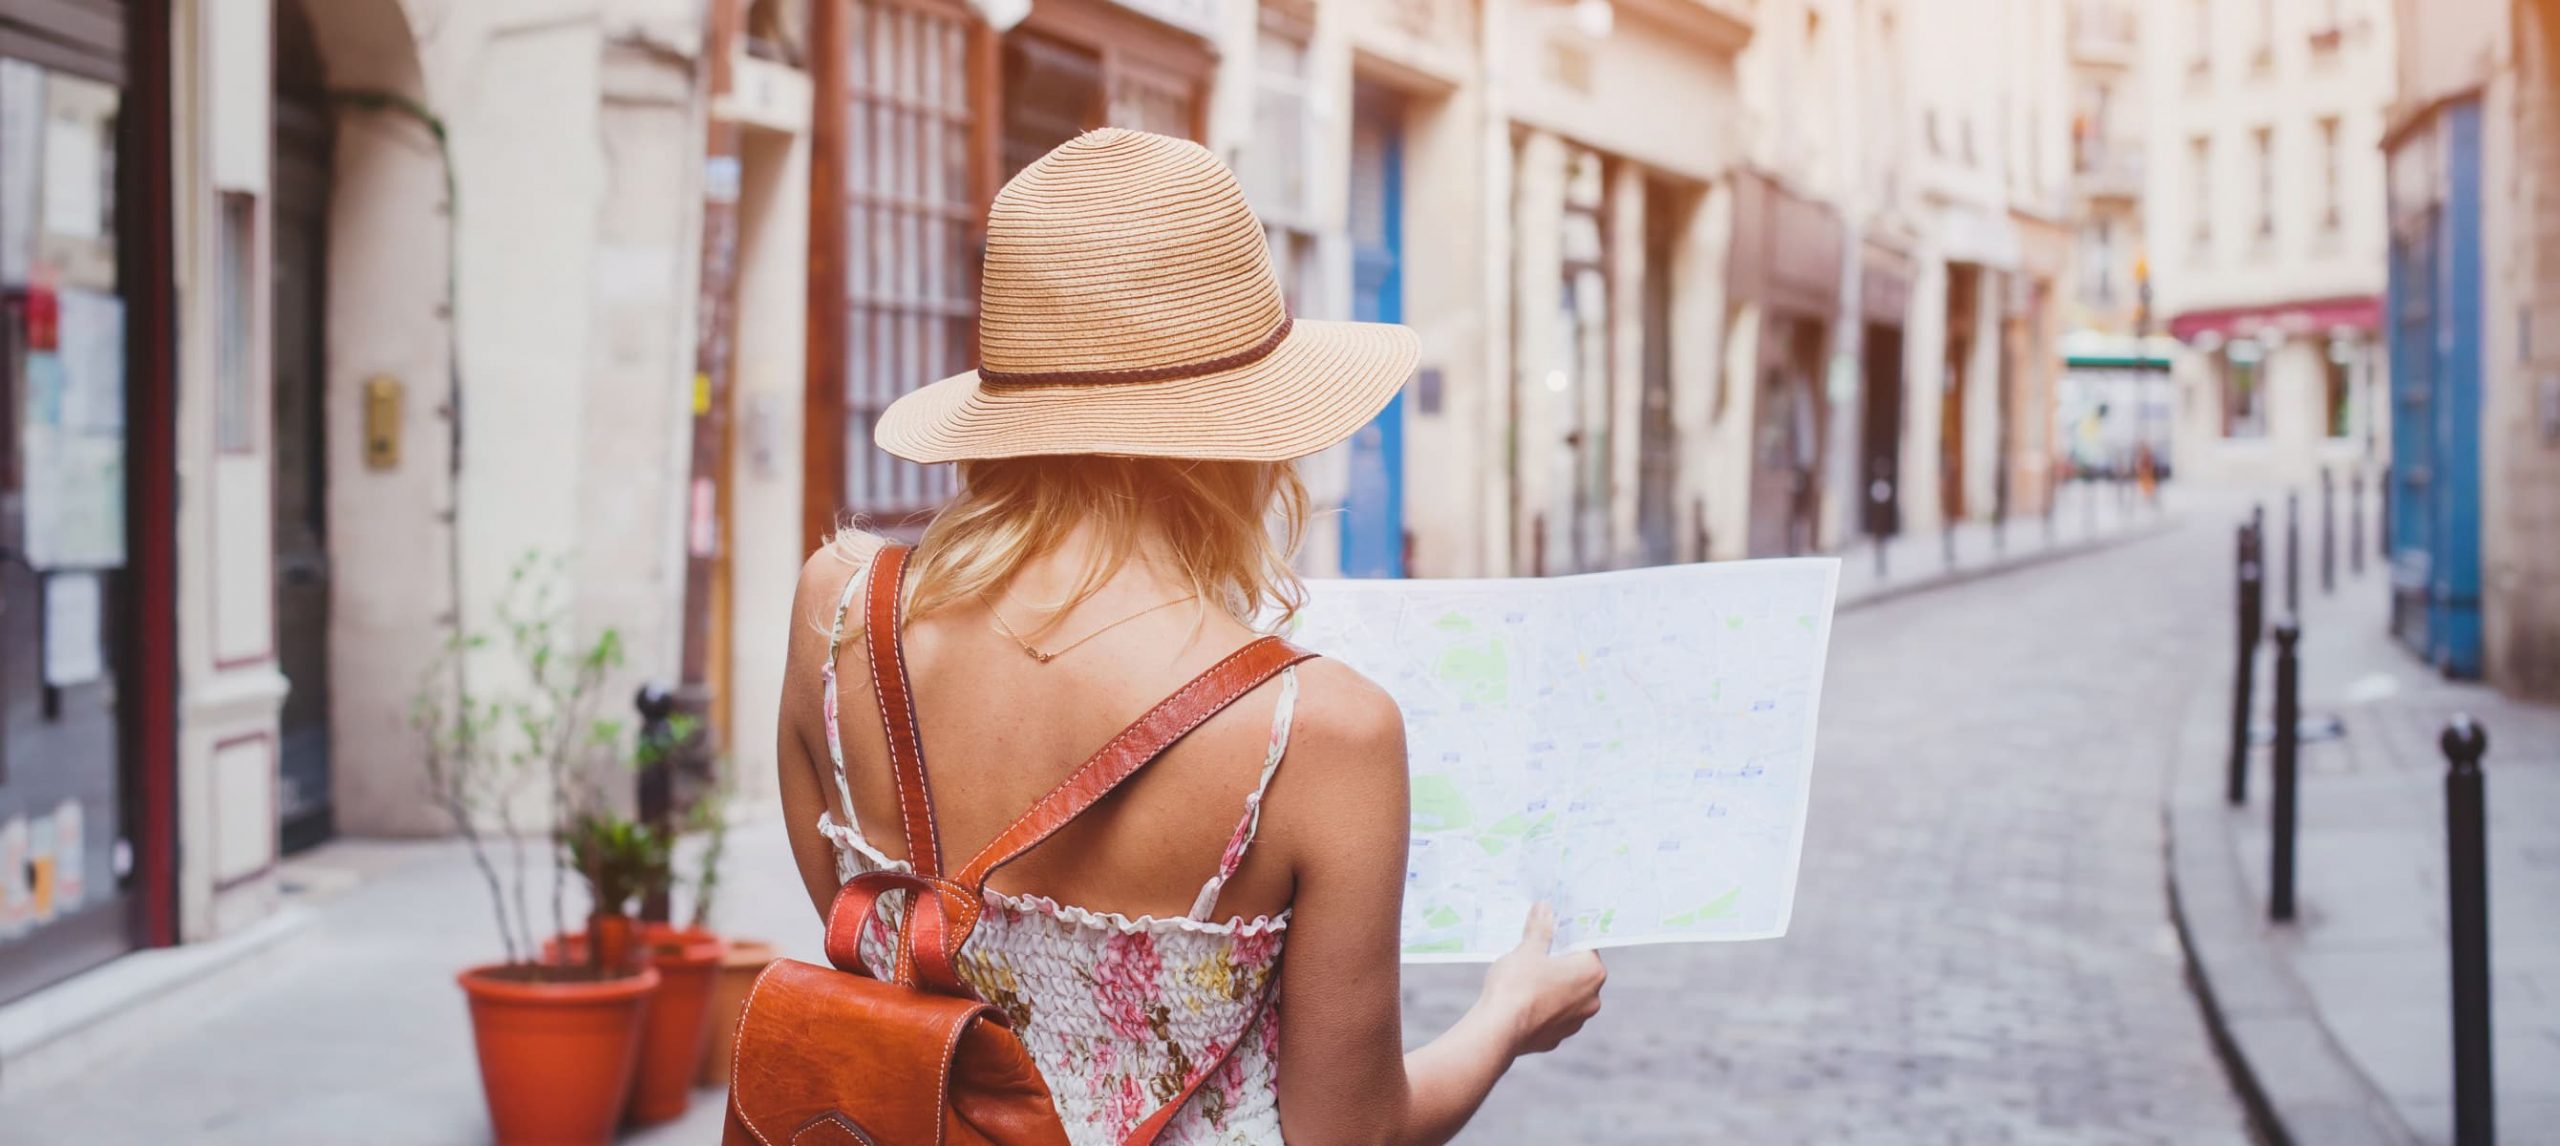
x=63, y=589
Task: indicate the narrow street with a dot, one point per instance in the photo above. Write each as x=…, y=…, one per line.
x=1982, y=950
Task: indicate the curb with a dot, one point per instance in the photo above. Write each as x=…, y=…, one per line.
x=1966, y=574
x=2298, y=1085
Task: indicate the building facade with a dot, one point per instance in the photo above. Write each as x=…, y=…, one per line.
x=397, y=301
x=2265, y=223
x=2473, y=147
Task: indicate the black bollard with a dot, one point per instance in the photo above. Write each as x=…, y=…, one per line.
x=2252, y=602
x=2466, y=841
x=2355, y=523
x=2293, y=553
x=2286, y=769
x=2382, y=508
x=656, y=797
x=2328, y=532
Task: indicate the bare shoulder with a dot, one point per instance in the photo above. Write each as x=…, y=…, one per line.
x=1344, y=719
x=823, y=578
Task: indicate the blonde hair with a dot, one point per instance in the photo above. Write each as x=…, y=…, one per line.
x=1229, y=527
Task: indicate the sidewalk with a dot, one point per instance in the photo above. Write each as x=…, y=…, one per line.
x=2341, y=1021
x=352, y=1029
x=2087, y=516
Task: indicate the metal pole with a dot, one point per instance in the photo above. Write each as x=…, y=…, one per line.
x=2287, y=763
x=2252, y=596
x=2466, y=841
x=2355, y=522
x=2382, y=511
x=2293, y=553
x=2328, y=532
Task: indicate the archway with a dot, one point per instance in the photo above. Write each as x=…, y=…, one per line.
x=365, y=444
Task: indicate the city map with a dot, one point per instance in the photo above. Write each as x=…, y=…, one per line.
x=1633, y=747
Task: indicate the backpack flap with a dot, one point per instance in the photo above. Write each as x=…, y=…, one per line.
x=843, y=1058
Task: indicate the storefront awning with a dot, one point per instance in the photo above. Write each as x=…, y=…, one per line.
x=2308, y=316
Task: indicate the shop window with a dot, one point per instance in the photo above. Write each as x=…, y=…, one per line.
x=2244, y=398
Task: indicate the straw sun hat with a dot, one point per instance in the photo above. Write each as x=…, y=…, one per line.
x=1128, y=307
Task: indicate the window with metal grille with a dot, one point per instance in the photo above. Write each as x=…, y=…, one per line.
x=911, y=284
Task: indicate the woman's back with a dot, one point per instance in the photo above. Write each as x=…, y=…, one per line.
x=1135, y=946
x=1126, y=501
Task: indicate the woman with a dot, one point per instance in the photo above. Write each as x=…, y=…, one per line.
x=1123, y=451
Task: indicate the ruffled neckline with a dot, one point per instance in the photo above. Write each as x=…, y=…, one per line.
x=1238, y=927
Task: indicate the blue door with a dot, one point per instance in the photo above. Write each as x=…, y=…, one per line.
x=2453, y=591
x=1373, y=503
x=2436, y=328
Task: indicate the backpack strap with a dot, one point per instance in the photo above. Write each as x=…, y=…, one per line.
x=1135, y=747
x=887, y=648
x=929, y=954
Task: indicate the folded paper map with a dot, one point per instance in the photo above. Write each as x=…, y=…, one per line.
x=1633, y=747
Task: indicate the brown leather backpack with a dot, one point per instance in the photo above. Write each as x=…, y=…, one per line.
x=839, y=1058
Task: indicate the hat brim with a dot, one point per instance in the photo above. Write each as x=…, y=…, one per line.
x=1321, y=384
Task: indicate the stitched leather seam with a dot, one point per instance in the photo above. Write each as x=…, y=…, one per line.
x=915, y=736
x=950, y=1049
x=738, y=1052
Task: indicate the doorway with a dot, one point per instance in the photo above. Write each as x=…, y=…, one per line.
x=1786, y=451
x=300, y=227
x=1373, y=504
x=1951, y=394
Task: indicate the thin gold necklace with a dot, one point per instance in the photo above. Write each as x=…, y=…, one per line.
x=1053, y=654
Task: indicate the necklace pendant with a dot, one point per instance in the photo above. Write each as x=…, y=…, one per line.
x=1041, y=657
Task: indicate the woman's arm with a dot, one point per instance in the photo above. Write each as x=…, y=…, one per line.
x=805, y=775
x=1341, y=809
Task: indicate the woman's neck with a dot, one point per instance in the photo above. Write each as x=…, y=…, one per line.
x=1145, y=575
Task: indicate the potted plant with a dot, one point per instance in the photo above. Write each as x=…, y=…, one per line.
x=557, y=1038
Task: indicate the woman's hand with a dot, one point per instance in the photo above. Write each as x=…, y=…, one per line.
x=1543, y=998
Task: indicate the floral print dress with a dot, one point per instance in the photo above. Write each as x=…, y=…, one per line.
x=1119, y=1013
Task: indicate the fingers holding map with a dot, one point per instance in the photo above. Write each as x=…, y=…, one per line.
x=1634, y=747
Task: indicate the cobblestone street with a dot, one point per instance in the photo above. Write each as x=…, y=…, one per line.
x=1981, y=950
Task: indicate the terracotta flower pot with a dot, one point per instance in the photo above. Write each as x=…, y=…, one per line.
x=556, y=1053
x=613, y=937
x=687, y=961
x=739, y=966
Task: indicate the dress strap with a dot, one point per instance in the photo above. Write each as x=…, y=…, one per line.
x=827, y=675
x=1281, y=717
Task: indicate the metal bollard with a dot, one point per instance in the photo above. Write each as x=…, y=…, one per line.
x=2355, y=523
x=2466, y=841
x=2328, y=532
x=2382, y=511
x=2286, y=769
x=656, y=804
x=2293, y=553
x=2252, y=603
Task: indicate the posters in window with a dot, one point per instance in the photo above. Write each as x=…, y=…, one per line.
x=73, y=438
